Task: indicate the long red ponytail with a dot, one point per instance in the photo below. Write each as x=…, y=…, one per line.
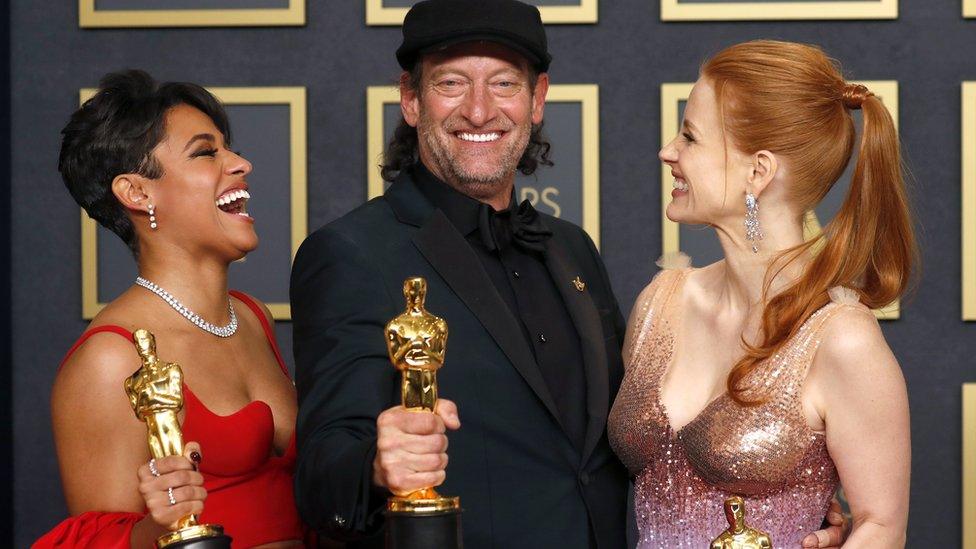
x=791, y=99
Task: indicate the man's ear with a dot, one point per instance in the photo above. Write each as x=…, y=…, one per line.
x=539, y=98
x=762, y=171
x=409, y=100
x=130, y=190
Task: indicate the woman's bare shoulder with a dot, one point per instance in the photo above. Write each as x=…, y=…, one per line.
x=853, y=349
x=100, y=363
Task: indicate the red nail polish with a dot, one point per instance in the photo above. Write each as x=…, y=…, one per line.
x=195, y=457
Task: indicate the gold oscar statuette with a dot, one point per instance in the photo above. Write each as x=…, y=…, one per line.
x=416, y=342
x=155, y=392
x=739, y=535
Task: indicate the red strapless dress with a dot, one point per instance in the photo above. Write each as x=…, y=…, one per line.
x=249, y=488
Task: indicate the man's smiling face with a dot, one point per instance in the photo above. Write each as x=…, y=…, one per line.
x=474, y=109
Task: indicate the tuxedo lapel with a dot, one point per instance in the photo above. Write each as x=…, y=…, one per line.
x=583, y=312
x=452, y=257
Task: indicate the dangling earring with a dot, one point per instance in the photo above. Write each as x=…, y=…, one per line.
x=753, y=232
x=152, y=217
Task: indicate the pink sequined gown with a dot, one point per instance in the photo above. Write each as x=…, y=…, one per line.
x=766, y=454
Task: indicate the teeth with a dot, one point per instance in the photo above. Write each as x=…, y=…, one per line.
x=680, y=185
x=232, y=196
x=479, y=137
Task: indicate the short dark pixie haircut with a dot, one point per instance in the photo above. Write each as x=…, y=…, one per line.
x=115, y=132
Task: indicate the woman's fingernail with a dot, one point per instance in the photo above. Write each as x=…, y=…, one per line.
x=195, y=457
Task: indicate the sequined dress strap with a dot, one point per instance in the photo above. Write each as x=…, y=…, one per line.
x=648, y=308
x=840, y=299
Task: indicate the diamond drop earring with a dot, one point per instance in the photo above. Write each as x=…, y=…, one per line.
x=152, y=217
x=753, y=233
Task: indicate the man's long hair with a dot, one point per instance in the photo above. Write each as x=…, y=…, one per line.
x=402, y=153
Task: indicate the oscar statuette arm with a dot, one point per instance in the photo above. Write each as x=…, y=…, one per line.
x=339, y=309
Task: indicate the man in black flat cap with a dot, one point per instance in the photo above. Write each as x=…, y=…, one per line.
x=533, y=359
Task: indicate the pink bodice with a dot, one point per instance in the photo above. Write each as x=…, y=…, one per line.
x=767, y=454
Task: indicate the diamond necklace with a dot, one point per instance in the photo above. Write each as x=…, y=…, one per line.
x=219, y=331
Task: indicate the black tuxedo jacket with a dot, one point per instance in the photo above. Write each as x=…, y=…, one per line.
x=521, y=481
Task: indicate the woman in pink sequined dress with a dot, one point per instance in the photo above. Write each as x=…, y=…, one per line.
x=766, y=375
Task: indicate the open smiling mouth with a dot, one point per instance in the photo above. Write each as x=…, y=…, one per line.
x=234, y=202
x=486, y=137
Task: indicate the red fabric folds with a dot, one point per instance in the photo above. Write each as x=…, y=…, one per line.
x=91, y=529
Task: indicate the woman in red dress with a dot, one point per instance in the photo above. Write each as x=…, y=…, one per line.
x=151, y=163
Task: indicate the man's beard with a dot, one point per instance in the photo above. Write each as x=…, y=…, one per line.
x=481, y=184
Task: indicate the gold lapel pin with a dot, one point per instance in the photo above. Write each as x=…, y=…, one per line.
x=578, y=282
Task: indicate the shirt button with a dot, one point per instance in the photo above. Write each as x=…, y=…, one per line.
x=542, y=338
x=584, y=478
x=516, y=274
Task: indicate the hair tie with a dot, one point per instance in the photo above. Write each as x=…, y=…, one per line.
x=854, y=95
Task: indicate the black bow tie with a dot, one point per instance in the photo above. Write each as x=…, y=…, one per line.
x=522, y=226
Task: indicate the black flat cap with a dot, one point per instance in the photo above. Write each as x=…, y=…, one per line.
x=436, y=24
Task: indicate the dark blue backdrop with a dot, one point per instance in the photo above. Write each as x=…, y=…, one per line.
x=629, y=54
x=6, y=451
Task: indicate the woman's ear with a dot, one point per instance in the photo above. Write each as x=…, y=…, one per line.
x=130, y=190
x=762, y=171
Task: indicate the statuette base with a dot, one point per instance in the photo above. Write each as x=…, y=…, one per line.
x=423, y=506
x=424, y=524
x=198, y=536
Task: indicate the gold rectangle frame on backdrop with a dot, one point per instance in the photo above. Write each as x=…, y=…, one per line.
x=672, y=94
x=968, y=201
x=588, y=95
x=674, y=10
x=969, y=466
x=969, y=8
x=586, y=12
x=293, y=15
x=294, y=97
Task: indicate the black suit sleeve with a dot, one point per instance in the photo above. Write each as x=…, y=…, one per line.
x=339, y=308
